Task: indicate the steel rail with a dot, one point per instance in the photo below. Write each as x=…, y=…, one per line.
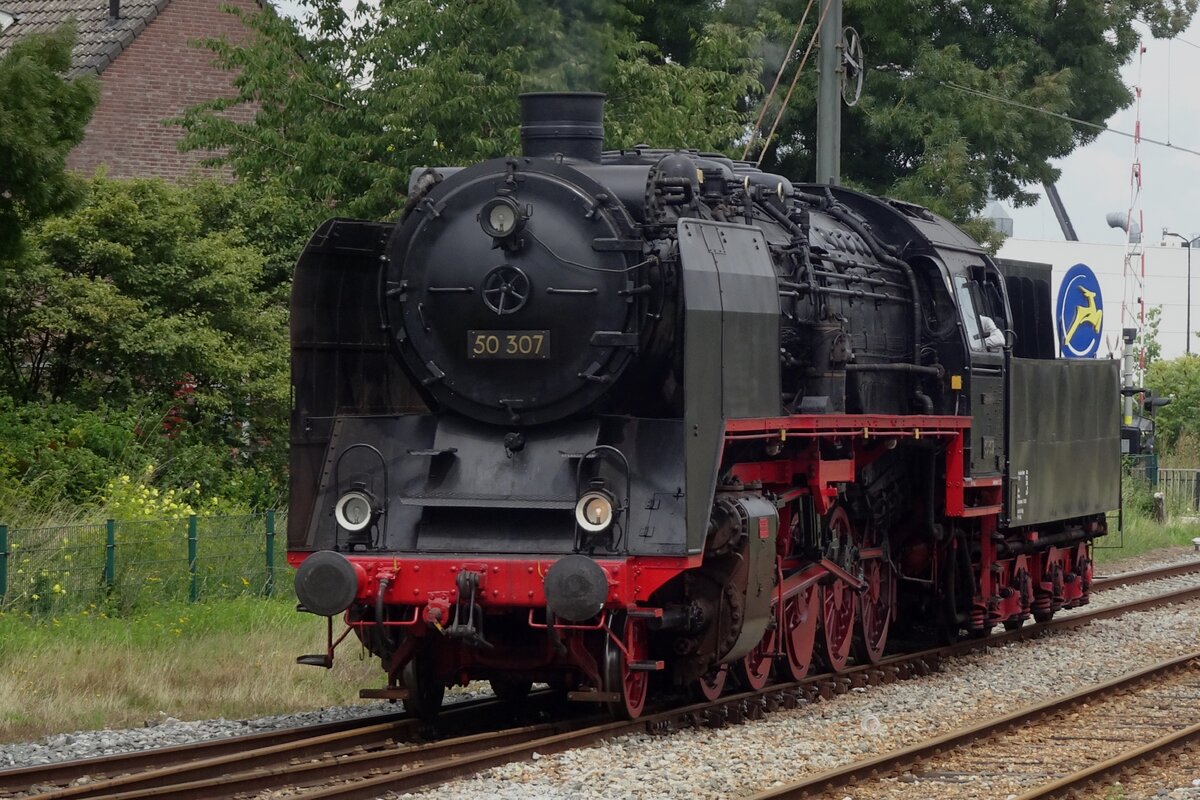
x=1114, y=765
x=882, y=765
x=459, y=757
x=265, y=771
x=1107, y=582
x=19, y=779
x=346, y=734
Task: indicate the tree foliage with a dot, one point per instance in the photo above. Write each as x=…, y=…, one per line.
x=345, y=111
x=919, y=133
x=150, y=299
x=42, y=117
x=1179, y=379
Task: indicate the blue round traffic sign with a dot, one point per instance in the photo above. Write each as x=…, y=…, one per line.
x=1079, y=312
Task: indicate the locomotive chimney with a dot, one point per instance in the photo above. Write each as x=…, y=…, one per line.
x=570, y=123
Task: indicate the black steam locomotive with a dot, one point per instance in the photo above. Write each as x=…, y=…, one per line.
x=614, y=420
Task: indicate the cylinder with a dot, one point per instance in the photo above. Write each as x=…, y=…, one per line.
x=566, y=123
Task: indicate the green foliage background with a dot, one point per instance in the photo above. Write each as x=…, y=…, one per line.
x=144, y=333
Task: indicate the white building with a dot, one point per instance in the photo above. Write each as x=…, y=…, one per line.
x=1165, y=284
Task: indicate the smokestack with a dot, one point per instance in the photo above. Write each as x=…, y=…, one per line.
x=570, y=123
x=114, y=10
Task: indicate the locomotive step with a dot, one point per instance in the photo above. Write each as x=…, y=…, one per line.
x=594, y=697
x=386, y=693
x=320, y=660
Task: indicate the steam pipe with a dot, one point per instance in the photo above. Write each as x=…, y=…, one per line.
x=935, y=370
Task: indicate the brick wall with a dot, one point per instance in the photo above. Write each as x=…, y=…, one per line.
x=155, y=78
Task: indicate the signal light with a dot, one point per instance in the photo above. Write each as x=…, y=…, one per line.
x=354, y=511
x=500, y=217
x=594, y=511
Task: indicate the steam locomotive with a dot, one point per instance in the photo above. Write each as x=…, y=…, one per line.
x=657, y=420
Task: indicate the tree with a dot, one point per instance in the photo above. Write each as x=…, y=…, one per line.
x=925, y=132
x=1152, y=347
x=344, y=112
x=148, y=298
x=1178, y=379
x=42, y=117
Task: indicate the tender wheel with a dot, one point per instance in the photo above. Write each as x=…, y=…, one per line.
x=425, y=692
x=800, y=614
x=754, y=668
x=875, y=610
x=631, y=685
x=710, y=685
x=1014, y=624
x=511, y=692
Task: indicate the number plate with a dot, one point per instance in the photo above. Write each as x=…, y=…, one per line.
x=508, y=344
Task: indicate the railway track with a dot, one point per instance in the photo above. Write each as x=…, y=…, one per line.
x=1106, y=582
x=1026, y=751
x=336, y=760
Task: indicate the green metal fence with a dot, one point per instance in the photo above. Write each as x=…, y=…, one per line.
x=120, y=565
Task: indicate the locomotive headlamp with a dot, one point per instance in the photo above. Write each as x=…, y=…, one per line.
x=354, y=511
x=500, y=217
x=594, y=511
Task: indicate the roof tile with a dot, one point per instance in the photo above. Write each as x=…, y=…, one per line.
x=98, y=41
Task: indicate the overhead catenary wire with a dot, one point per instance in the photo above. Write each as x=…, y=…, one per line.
x=1095, y=125
x=762, y=112
x=795, y=79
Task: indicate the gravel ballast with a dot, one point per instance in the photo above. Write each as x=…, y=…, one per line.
x=784, y=746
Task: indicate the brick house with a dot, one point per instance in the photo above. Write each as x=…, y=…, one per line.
x=148, y=72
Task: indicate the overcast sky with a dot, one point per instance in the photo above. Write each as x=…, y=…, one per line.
x=1095, y=179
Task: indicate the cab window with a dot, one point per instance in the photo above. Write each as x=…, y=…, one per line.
x=966, y=306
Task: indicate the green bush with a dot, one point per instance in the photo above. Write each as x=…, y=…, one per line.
x=148, y=329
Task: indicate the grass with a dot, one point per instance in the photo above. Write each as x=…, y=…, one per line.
x=1141, y=532
x=226, y=658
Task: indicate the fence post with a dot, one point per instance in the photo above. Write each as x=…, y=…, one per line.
x=110, y=553
x=3, y=561
x=193, y=590
x=269, y=589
